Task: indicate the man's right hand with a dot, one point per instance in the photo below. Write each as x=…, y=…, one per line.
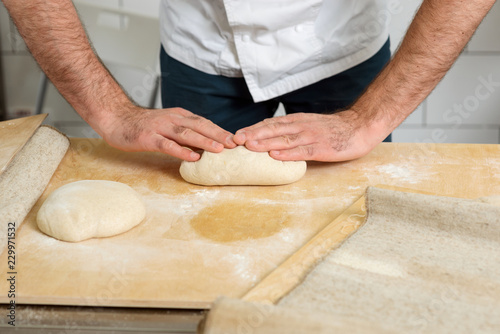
x=163, y=130
x=57, y=40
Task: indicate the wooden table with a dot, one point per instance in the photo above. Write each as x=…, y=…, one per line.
x=221, y=240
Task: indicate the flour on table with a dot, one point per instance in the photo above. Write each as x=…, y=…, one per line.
x=405, y=173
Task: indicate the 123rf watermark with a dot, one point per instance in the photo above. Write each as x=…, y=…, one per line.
x=11, y=273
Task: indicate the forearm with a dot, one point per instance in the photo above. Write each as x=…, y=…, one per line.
x=58, y=42
x=434, y=40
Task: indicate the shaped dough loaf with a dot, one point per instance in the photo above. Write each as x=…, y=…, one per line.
x=240, y=166
x=90, y=209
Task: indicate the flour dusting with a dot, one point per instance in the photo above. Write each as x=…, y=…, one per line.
x=244, y=267
x=406, y=173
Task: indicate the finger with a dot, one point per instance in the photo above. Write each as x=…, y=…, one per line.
x=161, y=144
x=278, y=119
x=315, y=152
x=241, y=135
x=282, y=142
x=188, y=137
x=182, y=112
x=271, y=130
x=208, y=129
x=267, y=121
x=195, y=149
x=307, y=152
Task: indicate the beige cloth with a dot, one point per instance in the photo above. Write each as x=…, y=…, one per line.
x=420, y=264
x=27, y=175
x=235, y=316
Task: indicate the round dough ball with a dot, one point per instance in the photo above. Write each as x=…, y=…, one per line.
x=240, y=166
x=493, y=200
x=90, y=209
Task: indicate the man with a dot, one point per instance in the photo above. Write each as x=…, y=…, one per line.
x=233, y=62
x=434, y=40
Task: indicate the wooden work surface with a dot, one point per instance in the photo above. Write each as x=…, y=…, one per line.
x=201, y=242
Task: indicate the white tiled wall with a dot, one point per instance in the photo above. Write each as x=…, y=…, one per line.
x=486, y=37
x=22, y=74
x=465, y=107
x=469, y=94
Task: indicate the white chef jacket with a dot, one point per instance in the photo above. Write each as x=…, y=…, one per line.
x=278, y=46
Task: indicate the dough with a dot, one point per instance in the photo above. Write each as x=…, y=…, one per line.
x=90, y=209
x=240, y=166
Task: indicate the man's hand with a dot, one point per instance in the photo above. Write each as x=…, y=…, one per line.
x=433, y=42
x=335, y=137
x=57, y=40
x=164, y=130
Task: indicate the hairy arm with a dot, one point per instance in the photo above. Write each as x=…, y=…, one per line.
x=434, y=40
x=57, y=40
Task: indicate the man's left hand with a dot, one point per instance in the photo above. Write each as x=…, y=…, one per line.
x=334, y=137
